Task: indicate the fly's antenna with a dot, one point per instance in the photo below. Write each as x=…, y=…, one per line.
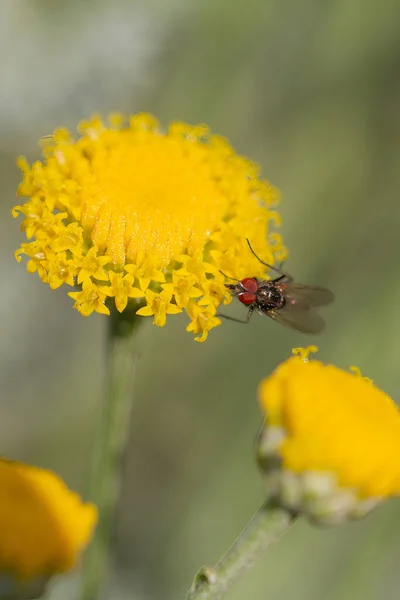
x=227, y=276
x=262, y=262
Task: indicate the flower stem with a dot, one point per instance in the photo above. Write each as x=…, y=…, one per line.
x=110, y=443
x=267, y=525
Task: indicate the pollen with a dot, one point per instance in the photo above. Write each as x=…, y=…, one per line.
x=170, y=208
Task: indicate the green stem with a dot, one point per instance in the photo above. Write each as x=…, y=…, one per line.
x=267, y=525
x=110, y=443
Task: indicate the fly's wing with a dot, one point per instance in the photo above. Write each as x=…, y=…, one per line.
x=304, y=295
x=298, y=312
x=303, y=318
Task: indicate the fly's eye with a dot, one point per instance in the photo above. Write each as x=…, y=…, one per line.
x=247, y=298
x=250, y=284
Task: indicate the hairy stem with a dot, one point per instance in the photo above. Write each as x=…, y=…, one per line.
x=110, y=443
x=267, y=525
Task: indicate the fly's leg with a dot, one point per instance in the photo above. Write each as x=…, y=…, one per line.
x=235, y=320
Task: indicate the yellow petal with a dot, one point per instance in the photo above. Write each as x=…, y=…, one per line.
x=172, y=309
x=145, y=311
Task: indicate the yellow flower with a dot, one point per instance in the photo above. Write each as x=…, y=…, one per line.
x=39, y=254
x=215, y=292
x=170, y=208
x=160, y=306
x=91, y=265
x=91, y=298
x=44, y=527
x=203, y=319
x=60, y=269
x=122, y=289
x=337, y=438
x=145, y=273
x=183, y=287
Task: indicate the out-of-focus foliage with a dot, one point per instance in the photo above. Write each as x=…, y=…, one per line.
x=311, y=91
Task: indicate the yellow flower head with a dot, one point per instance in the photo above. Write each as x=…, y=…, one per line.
x=331, y=441
x=128, y=209
x=44, y=526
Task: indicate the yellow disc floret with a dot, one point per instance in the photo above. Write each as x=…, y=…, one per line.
x=166, y=211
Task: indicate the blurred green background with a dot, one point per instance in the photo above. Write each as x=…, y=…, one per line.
x=311, y=91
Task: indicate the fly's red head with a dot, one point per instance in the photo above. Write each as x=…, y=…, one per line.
x=249, y=291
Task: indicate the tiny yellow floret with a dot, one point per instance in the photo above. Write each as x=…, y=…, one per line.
x=44, y=526
x=159, y=305
x=132, y=214
x=304, y=353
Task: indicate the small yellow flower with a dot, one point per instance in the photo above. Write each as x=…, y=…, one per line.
x=60, y=269
x=183, y=287
x=145, y=273
x=203, y=319
x=44, y=527
x=39, y=218
x=160, y=306
x=337, y=438
x=215, y=292
x=91, y=266
x=69, y=237
x=170, y=208
x=39, y=255
x=122, y=289
x=91, y=298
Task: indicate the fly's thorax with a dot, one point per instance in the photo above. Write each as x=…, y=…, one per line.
x=270, y=296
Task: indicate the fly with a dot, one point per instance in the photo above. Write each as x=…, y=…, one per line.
x=281, y=299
